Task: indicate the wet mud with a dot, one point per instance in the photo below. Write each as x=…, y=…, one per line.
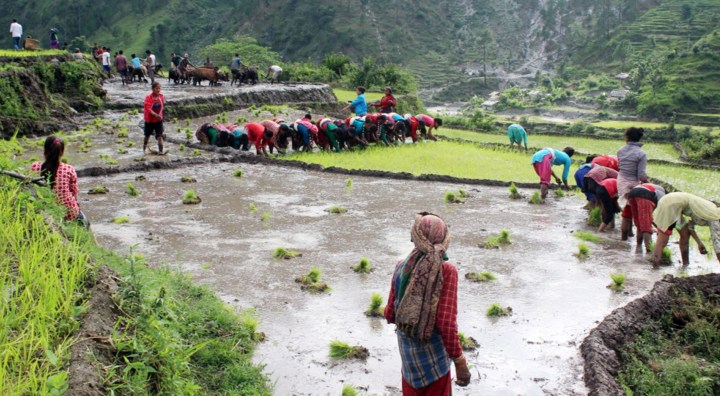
x=601, y=348
x=221, y=242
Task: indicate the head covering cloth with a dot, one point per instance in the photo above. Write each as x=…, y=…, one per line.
x=421, y=278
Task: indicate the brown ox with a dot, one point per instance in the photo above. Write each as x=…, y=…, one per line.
x=205, y=73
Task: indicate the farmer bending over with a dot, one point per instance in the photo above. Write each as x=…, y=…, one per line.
x=517, y=135
x=642, y=200
x=543, y=161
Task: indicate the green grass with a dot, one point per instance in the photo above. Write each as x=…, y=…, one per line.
x=588, y=236
x=467, y=343
x=348, y=183
x=485, y=276
x=698, y=181
x=30, y=54
x=313, y=276
x=363, y=266
x=265, y=216
x=452, y=197
x=344, y=95
x=99, y=190
x=349, y=390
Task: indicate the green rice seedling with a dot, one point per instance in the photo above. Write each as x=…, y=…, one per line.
x=666, y=256
x=112, y=161
x=252, y=207
x=495, y=241
x=228, y=101
x=451, y=197
x=123, y=133
x=140, y=178
x=206, y=266
x=485, y=276
x=190, y=197
x=313, y=276
x=376, y=308
x=265, y=216
x=181, y=147
x=559, y=193
x=223, y=117
x=122, y=150
x=336, y=209
x=188, y=179
x=463, y=194
x=99, y=190
x=130, y=143
x=496, y=310
x=238, y=173
x=195, y=153
x=121, y=220
x=241, y=120
x=618, y=281
x=363, y=266
x=315, y=288
x=594, y=217
x=349, y=390
x=286, y=254
x=132, y=190
x=341, y=350
x=588, y=236
x=348, y=183
x=535, y=198
x=188, y=134
x=174, y=120
x=467, y=343
x=514, y=193
x=187, y=123
x=583, y=251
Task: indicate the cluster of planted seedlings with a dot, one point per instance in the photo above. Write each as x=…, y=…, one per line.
x=311, y=281
x=535, y=199
x=341, y=350
x=514, y=193
x=363, y=266
x=195, y=153
x=349, y=390
x=348, y=183
x=188, y=179
x=190, y=197
x=376, y=309
x=460, y=197
x=99, y=190
x=181, y=147
x=265, y=216
x=109, y=160
x=238, y=173
x=286, y=254
x=252, y=208
x=495, y=241
x=467, y=343
x=485, y=276
x=140, y=178
x=497, y=310
x=336, y=209
x=131, y=190
x=594, y=217
x=121, y=220
x=583, y=251
x=559, y=193
x=618, y=281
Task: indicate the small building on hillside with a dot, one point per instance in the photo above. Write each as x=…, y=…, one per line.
x=618, y=94
x=622, y=76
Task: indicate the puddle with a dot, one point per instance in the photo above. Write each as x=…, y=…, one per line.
x=556, y=299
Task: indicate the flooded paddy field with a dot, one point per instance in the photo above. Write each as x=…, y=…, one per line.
x=556, y=298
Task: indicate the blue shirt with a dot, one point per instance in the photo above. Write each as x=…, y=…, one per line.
x=135, y=62
x=560, y=159
x=517, y=134
x=580, y=178
x=359, y=105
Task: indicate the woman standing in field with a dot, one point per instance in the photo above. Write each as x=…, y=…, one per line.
x=61, y=178
x=632, y=162
x=423, y=305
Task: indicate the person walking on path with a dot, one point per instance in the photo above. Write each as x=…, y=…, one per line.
x=151, y=63
x=683, y=211
x=16, y=31
x=387, y=103
x=543, y=161
x=62, y=179
x=632, y=162
x=121, y=64
x=154, y=106
x=359, y=105
x=106, y=61
x=423, y=305
x=517, y=135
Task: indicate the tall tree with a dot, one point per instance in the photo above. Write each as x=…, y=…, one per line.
x=484, y=39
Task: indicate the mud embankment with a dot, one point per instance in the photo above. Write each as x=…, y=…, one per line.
x=185, y=101
x=601, y=348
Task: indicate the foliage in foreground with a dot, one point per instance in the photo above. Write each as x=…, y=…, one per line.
x=495, y=241
x=618, y=281
x=342, y=350
x=675, y=355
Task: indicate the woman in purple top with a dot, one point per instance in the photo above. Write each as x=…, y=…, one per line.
x=632, y=162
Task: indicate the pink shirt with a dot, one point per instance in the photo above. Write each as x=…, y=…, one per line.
x=65, y=187
x=429, y=121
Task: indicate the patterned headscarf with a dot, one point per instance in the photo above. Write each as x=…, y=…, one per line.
x=421, y=277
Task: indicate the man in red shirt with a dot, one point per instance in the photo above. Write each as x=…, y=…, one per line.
x=154, y=105
x=260, y=136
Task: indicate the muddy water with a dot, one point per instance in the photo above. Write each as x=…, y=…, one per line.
x=556, y=299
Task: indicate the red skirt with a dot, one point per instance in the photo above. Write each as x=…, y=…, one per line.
x=642, y=213
x=441, y=387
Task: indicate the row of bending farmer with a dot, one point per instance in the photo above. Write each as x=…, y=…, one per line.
x=620, y=184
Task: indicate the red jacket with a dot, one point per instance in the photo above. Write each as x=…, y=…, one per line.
x=156, y=103
x=256, y=134
x=386, y=103
x=608, y=161
x=611, y=187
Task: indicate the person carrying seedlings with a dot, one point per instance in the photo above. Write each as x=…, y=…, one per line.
x=359, y=105
x=606, y=193
x=517, y=135
x=61, y=178
x=153, y=115
x=632, y=162
x=608, y=161
x=543, y=161
x=423, y=305
x=426, y=124
x=642, y=200
x=683, y=211
x=258, y=135
x=387, y=103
